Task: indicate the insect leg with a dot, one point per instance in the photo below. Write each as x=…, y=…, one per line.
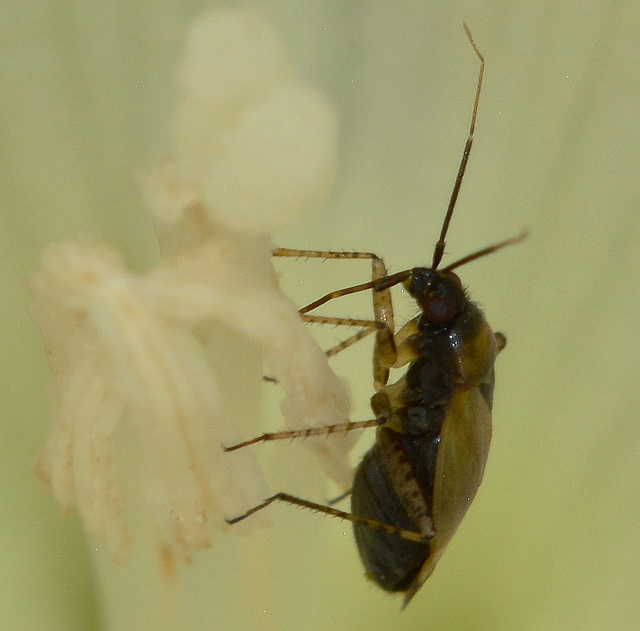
x=384, y=350
x=384, y=355
x=334, y=512
x=405, y=349
x=384, y=338
x=339, y=498
x=322, y=254
x=376, y=265
x=369, y=326
x=350, y=341
x=309, y=431
x=383, y=308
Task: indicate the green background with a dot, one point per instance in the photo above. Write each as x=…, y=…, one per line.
x=552, y=541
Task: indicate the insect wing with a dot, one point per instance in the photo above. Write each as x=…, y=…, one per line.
x=462, y=455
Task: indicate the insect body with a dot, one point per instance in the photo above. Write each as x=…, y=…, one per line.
x=414, y=486
x=429, y=456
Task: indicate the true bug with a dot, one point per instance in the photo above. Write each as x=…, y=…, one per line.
x=413, y=487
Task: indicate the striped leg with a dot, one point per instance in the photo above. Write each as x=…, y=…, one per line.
x=368, y=327
x=411, y=535
x=309, y=431
x=384, y=355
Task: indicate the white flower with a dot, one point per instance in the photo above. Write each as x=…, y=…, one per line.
x=252, y=152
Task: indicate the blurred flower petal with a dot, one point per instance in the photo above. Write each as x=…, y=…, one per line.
x=140, y=347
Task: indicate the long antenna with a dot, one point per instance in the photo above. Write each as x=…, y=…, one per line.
x=488, y=250
x=439, y=249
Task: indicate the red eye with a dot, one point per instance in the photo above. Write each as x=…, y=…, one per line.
x=439, y=310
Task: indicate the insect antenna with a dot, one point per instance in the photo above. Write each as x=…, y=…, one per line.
x=439, y=249
x=488, y=250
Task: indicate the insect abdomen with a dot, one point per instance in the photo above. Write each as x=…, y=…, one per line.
x=391, y=561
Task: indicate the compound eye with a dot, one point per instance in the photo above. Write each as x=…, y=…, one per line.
x=439, y=310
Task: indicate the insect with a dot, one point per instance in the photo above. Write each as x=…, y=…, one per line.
x=414, y=486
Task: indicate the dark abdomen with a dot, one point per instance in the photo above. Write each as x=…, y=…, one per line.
x=391, y=561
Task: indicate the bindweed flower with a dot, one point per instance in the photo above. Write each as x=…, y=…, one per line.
x=255, y=147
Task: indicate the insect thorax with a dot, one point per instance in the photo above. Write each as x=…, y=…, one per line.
x=457, y=355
